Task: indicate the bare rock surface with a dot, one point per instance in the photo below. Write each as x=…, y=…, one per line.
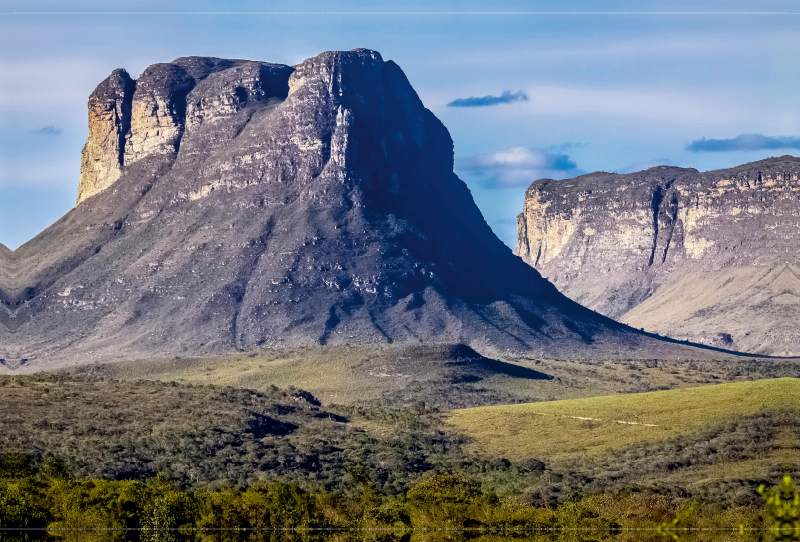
x=708, y=257
x=232, y=205
x=109, y=120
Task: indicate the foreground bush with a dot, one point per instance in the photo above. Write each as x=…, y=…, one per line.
x=46, y=496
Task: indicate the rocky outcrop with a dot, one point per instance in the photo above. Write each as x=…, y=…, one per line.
x=708, y=257
x=260, y=206
x=109, y=123
x=132, y=120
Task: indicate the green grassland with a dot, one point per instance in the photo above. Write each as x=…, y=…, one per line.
x=590, y=426
x=716, y=443
x=539, y=430
x=437, y=375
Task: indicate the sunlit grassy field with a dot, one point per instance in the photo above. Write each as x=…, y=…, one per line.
x=559, y=429
x=346, y=375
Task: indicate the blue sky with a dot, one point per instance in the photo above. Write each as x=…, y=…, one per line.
x=578, y=86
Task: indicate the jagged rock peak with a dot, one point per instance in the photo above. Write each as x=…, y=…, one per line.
x=109, y=121
x=200, y=67
x=329, y=66
x=146, y=118
x=161, y=115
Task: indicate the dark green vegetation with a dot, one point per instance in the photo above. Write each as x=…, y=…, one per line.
x=44, y=498
x=205, y=437
x=656, y=467
x=443, y=376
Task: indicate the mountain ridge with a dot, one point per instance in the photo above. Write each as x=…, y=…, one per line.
x=702, y=256
x=261, y=205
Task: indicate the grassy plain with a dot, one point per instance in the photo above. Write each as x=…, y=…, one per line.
x=397, y=374
x=717, y=443
x=558, y=430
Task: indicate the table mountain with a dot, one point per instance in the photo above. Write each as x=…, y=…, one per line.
x=709, y=257
x=232, y=205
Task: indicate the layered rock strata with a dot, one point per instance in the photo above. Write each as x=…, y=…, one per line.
x=109, y=122
x=132, y=120
x=237, y=205
x=708, y=257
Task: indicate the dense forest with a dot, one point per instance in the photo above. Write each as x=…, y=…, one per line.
x=41, y=499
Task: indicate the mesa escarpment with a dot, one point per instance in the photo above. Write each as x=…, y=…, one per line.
x=709, y=257
x=232, y=205
x=132, y=120
x=109, y=121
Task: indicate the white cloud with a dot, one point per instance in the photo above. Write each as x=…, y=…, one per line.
x=517, y=166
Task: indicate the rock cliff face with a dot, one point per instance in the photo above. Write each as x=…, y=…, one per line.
x=132, y=120
x=229, y=204
x=109, y=121
x=709, y=257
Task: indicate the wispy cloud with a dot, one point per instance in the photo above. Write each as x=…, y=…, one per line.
x=561, y=147
x=518, y=166
x=744, y=142
x=505, y=97
x=48, y=130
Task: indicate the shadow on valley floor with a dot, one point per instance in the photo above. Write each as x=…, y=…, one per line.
x=509, y=369
x=715, y=349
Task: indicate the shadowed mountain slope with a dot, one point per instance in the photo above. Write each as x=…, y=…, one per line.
x=231, y=205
